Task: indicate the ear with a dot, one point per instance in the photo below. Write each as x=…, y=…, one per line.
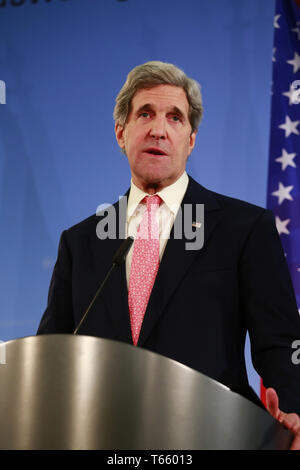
x=119, y=131
x=192, y=141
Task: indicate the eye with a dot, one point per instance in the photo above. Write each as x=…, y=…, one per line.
x=144, y=114
x=175, y=118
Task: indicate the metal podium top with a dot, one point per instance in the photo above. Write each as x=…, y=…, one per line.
x=80, y=392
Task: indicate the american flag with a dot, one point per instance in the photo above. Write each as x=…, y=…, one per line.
x=283, y=196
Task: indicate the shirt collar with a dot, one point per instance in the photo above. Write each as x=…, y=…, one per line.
x=171, y=195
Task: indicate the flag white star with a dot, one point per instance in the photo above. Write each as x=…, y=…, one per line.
x=289, y=126
x=286, y=159
x=283, y=192
x=276, y=18
x=281, y=225
x=295, y=62
x=273, y=57
x=292, y=94
x=297, y=30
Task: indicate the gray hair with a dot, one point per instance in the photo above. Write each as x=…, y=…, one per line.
x=155, y=73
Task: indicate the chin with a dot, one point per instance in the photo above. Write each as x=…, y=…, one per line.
x=153, y=178
x=157, y=181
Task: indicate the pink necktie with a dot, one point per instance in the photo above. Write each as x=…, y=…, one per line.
x=144, y=265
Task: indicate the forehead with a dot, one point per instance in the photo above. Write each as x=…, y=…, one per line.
x=161, y=97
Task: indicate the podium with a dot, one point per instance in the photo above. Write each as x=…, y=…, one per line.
x=81, y=392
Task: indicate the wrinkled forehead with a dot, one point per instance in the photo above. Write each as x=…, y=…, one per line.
x=161, y=97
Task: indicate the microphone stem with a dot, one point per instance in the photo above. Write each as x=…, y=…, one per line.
x=95, y=297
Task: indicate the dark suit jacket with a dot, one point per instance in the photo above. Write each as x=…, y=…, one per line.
x=202, y=301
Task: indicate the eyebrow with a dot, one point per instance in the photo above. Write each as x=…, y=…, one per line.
x=148, y=107
x=176, y=110
x=145, y=107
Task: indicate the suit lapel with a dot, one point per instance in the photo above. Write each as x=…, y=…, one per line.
x=114, y=293
x=177, y=259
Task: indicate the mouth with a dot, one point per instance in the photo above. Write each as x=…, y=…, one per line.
x=155, y=151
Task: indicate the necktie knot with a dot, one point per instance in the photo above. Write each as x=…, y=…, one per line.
x=154, y=200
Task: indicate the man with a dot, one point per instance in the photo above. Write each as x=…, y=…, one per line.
x=193, y=306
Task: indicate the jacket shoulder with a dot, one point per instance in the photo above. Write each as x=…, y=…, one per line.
x=83, y=227
x=225, y=202
x=243, y=213
x=236, y=212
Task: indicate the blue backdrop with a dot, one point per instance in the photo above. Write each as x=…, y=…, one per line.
x=63, y=62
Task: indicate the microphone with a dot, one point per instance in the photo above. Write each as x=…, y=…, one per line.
x=118, y=259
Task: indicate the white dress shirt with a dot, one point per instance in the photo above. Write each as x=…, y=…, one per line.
x=171, y=196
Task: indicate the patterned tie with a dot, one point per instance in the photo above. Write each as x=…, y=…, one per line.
x=144, y=265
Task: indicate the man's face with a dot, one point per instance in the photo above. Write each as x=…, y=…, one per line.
x=157, y=136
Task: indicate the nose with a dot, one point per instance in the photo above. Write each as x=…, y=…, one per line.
x=158, y=128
